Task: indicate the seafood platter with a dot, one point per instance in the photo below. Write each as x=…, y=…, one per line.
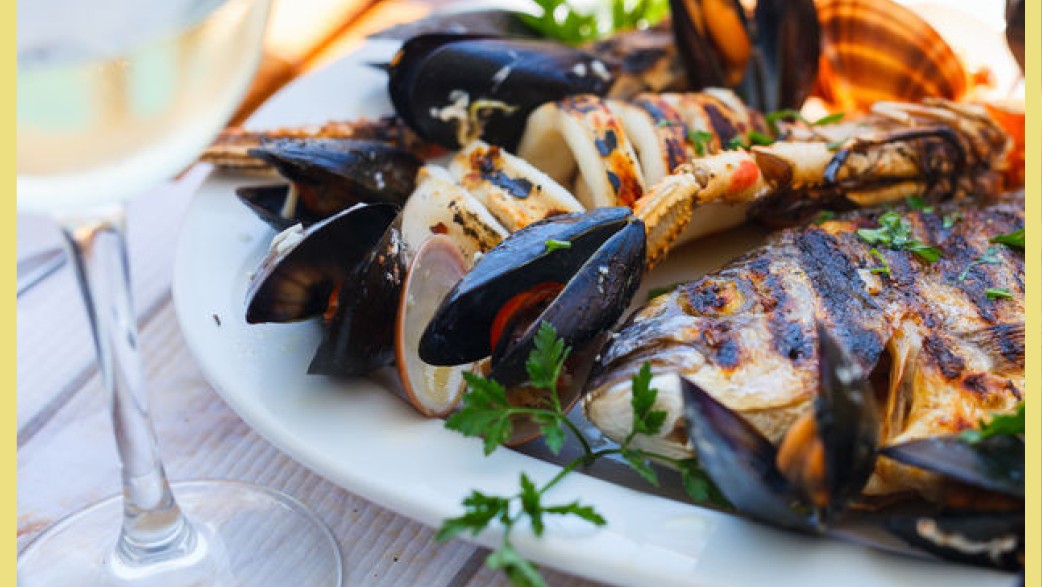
x=828, y=197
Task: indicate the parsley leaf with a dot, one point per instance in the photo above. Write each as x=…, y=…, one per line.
x=772, y=118
x=701, y=140
x=950, y=219
x=530, y=504
x=895, y=232
x=479, y=511
x=988, y=257
x=734, y=144
x=824, y=216
x=583, y=511
x=546, y=360
x=485, y=412
x=638, y=461
x=884, y=267
x=554, y=245
x=698, y=486
x=520, y=571
x=1013, y=240
x=1000, y=424
x=642, y=399
x=919, y=204
x=756, y=137
x=994, y=293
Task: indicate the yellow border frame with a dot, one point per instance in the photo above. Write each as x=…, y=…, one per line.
x=1033, y=255
x=8, y=352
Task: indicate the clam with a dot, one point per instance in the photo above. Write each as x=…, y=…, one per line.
x=877, y=50
x=306, y=266
x=436, y=268
x=326, y=176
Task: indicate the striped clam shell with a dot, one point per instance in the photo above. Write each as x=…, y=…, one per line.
x=875, y=50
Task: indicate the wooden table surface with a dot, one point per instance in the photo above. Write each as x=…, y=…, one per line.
x=66, y=456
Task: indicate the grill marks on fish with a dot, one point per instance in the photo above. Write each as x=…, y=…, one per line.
x=851, y=313
x=747, y=333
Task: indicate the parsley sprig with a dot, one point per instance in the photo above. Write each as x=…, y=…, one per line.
x=989, y=257
x=1000, y=424
x=560, y=20
x=1013, y=240
x=772, y=118
x=896, y=233
x=487, y=412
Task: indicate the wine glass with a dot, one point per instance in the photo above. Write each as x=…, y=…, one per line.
x=114, y=96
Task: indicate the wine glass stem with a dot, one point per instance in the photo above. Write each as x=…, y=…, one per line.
x=153, y=526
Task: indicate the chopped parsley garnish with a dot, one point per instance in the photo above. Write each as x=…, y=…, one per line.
x=1000, y=424
x=734, y=144
x=486, y=412
x=772, y=118
x=896, y=233
x=995, y=293
x=919, y=204
x=824, y=216
x=701, y=140
x=752, y=139
x=553, y=245
x=950, y=219
x=1013, y=240
x=988, y=257
x=884, y=267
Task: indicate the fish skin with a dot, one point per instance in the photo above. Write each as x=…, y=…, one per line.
x=746, y=333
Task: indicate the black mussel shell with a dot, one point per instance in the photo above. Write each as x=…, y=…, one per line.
x=295, y=282
x=435, y=79
x=741, y=462
x=713, y=39
x=991, y=539
x=360, y=337
x=460, y=330
x=333, y=174
x=591, y=303
x=847, y=422
x=268, y=201
x=1015, y=30
x=994, y=464
x=784, y=64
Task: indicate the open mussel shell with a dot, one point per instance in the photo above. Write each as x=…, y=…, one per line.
x=822, y=462
x=993, y=464
x=268, y=202
x=451, y=89
x=360, y=336
x=305, y=266
x=878, y=50
x=991, y=539
x=591, y=302
x=460, y=331
x=331, y=174
x=740, y=461
x=1015, y=30
x=436, y=268
x=713, y=39
x=784, y=64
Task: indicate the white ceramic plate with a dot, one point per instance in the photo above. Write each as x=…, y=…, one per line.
x=368, y=441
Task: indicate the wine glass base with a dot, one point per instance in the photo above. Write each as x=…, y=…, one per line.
x=248, y=536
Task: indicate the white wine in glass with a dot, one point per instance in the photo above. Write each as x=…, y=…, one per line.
x=113, y=97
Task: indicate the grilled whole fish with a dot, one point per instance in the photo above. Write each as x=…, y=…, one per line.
x=942, y=353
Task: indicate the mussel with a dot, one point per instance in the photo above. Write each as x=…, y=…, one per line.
x=820, y=465
x=577, y=272
x=452, y=89
x=981, y=520
x=771, y=60
x=327, y=176
x=306, y=266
